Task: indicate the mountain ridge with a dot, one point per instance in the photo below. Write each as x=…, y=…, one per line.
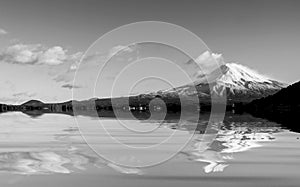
x=238, y=82
x=282, y=107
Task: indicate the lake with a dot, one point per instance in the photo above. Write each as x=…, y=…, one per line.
x=61, y=150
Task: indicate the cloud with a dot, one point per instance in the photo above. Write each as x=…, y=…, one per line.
x=118, y=50
x=3, y=32
x=94, y=60
x=207, y=62
x=99, y=57
x=70, y=86
x=207, y=58
x=37, y=54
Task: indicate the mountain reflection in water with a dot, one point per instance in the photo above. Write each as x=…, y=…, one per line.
x=228, y=141
x=237, y=133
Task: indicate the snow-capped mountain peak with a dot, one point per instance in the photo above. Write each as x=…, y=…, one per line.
x=239, y=72
x=236, y=80
x=232, y=73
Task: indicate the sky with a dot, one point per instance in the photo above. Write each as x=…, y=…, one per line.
x=41, y=42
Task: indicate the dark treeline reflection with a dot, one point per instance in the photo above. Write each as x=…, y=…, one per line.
x=36, y=109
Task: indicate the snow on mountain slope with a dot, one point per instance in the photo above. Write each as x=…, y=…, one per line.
x=237, y=76
x=237, y=81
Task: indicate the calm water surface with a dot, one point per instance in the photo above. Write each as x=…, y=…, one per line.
x=50, y=151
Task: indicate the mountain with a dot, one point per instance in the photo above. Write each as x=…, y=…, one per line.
x=286, y=100
x=240, y=83
x=282, y=107
x=33, y=103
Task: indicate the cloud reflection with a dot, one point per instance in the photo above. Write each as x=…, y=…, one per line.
x=48, y=162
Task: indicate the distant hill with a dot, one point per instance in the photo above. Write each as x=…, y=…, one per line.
x=33, y=103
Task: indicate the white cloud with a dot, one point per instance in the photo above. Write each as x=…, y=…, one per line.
x=120, y=49
x=55, y=55
x=102, y=57
x=37, y=54
x=208, y=62
x=208, y=59
x=94, y=60
x=3, y=32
